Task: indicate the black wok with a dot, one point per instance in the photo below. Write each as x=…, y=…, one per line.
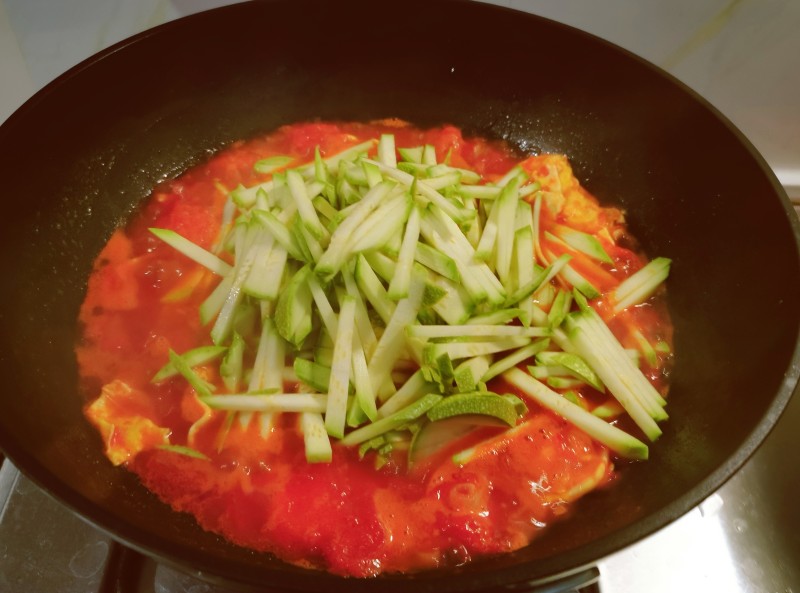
x=81, y=154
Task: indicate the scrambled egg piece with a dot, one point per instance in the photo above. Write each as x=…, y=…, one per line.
x=563, y=196
x=119, y=416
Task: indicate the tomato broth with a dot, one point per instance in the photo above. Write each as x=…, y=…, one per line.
x=361, y=513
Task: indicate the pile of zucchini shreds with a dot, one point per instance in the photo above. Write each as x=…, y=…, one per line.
x=398, y=290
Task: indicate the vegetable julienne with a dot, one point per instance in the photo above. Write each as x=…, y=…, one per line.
x=400, y=303
x=396, y=208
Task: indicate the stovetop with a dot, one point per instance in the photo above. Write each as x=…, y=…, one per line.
x=743, y=539
x=741, y=56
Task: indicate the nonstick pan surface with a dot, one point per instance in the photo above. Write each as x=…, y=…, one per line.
x=85, y=151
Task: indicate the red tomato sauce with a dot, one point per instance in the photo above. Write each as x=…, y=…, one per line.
x=345, y=516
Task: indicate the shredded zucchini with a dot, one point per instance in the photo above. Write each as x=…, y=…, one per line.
x=400, y=290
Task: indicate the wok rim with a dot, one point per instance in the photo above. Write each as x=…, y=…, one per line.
x=576, y=559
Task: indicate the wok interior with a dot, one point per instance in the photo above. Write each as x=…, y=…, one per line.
x=84, y=152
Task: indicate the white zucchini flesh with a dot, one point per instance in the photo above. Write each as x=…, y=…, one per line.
x=615, y=439
x=336, y=410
